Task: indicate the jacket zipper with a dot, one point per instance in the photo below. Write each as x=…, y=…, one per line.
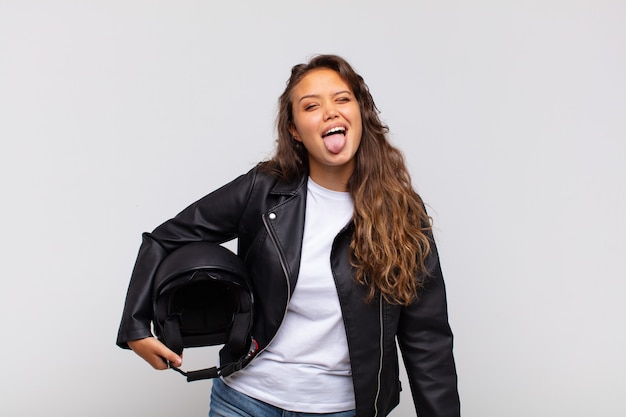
x=380, y=363
x=380, y=340
x=284, y=267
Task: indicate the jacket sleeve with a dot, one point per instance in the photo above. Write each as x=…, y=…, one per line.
x=214, y=218
x=426, y=340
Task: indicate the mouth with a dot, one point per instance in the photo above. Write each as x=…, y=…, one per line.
x=337, y=130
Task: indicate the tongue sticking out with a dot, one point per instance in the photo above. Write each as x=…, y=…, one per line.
x=335, y=143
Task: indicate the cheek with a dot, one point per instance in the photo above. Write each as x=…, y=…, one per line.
x=358, y=123
x=305, y=125
x=357, y=115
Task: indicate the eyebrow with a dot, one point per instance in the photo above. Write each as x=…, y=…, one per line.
x=317, y=95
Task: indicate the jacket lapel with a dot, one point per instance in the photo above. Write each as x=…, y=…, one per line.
x=286, y=223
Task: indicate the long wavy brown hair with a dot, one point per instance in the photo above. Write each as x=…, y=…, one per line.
x=392, y=230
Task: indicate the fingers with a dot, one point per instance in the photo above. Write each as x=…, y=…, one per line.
x=155, y=353
x=170, y=357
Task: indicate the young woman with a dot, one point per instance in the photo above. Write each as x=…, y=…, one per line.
x=342, y=259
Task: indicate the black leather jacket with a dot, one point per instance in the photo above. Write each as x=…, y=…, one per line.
x=267, y=217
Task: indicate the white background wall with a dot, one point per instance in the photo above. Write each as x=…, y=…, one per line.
x=114, y=115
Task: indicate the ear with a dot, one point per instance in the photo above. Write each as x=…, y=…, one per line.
x=294, y=132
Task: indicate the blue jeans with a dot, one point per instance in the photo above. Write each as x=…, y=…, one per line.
x=227, y=402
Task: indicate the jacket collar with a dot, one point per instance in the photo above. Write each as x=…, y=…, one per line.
x=289, y=187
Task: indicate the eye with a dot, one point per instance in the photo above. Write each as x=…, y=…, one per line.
x=309, y=107
x=343, y=99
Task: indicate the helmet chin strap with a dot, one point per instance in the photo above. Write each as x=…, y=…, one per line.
x=215, y=372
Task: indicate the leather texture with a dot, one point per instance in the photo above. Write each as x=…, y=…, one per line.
x=267, y=217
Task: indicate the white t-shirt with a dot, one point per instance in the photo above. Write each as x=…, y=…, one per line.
x=307, y=367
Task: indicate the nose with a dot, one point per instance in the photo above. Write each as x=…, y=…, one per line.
x=330, y=112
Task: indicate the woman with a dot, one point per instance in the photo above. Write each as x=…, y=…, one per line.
x=342, y=259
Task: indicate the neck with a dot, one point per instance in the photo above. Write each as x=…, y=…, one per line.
x=332, y=179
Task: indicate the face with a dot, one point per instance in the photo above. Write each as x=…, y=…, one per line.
x=327, y=120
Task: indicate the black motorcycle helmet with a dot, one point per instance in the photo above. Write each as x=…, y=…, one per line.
x=202, y=296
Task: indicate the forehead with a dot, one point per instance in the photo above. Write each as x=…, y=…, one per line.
x=318, y=82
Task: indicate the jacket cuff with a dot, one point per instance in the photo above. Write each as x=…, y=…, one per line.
x=123, y=337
